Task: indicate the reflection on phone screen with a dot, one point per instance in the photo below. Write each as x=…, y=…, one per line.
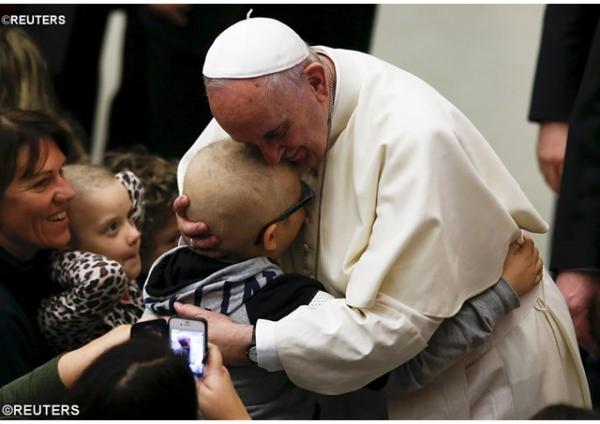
x=190, y=345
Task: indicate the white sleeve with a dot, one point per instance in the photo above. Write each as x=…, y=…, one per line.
x=266, y=345
x=348, y=347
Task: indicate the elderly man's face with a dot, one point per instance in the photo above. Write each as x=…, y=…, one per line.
x=283, y=125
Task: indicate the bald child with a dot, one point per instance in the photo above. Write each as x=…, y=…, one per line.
x=257, y=210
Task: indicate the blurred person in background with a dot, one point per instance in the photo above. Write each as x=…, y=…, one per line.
x=566, y=103
x=25, y=81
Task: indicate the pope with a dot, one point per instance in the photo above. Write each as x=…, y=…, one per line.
x=413, y=214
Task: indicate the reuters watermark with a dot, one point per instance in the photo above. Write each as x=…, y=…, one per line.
x=29, y=20
x=44, y=410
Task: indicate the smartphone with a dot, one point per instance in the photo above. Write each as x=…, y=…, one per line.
x=157, y=328
x=188, y=338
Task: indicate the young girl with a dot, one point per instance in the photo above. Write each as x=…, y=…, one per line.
x=159, y=179
x=98, y=274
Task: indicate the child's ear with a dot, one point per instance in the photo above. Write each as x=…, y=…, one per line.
x=270, y=238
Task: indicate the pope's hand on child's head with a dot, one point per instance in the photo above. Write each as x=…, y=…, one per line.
x=523, y=267
x=195, y=234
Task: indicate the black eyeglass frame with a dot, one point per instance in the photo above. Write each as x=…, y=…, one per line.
x=307, y=195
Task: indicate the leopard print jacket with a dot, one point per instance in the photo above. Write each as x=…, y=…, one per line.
x=97, y=295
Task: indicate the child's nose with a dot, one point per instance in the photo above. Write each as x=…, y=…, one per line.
x=134, y=234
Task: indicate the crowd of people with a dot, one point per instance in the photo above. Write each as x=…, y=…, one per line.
x=356, y=247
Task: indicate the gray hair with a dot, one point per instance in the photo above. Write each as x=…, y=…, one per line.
x=289, y=80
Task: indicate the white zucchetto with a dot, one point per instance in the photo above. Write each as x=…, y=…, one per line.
x=253, y=48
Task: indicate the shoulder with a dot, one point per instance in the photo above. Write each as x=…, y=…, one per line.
x=391, y=103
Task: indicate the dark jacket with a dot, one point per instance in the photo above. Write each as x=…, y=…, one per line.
x=22, y=286
x=567, y=88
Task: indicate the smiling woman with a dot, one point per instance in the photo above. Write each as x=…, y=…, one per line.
x=33, y=200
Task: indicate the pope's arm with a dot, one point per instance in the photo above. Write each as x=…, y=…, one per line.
x=351, y=335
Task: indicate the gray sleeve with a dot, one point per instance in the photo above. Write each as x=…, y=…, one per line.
x=463, y=332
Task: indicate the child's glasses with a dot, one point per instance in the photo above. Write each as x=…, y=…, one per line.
x=307, y=195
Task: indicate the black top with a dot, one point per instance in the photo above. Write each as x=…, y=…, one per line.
x=22, y=286
x=564, y=50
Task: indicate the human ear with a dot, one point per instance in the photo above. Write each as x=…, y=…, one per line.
x=270, y=238
x=317, y=79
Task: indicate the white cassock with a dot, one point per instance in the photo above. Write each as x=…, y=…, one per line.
x=417, y=215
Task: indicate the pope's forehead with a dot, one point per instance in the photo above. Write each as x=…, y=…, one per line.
x=243, y=98
x=241, y=91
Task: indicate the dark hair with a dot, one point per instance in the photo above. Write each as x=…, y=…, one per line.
x=139, y=379
x=24, y=129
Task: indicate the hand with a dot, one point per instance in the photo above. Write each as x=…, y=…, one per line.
x=72, y=364
x=195, y=234
x=173, y=12
x=232, y=338
x=523, y=267
x=217, y=397
x=551, y=147
x=580, y=290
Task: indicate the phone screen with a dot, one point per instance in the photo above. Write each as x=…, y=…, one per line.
x=189, y=344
